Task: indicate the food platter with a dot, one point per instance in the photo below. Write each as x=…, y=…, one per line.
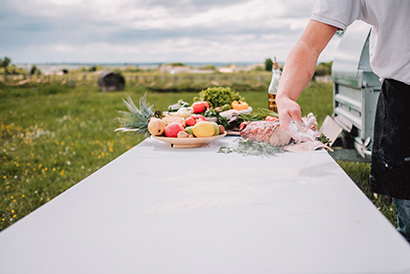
x=189, y=142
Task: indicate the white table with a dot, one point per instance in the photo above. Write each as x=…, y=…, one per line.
x=158, y=209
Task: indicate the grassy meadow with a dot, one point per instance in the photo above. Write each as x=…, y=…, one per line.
x=52, y=136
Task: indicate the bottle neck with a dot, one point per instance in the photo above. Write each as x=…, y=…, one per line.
x=275, y=68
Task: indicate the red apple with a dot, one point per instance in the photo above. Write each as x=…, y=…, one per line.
x=172, y=129
x=193, y=119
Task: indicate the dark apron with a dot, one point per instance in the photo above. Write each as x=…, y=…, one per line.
x=390, y=168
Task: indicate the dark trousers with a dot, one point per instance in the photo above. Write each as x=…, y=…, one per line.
x=390, y=167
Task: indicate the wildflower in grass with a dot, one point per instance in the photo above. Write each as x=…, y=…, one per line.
x=22, y=196
x=12, y=211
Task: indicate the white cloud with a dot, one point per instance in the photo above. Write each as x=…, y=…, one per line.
x=151, y=30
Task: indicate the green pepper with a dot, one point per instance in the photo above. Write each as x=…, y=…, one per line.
x=182, y=103
x=175, y=107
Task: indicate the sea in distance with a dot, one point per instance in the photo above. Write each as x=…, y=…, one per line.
x=47, y=68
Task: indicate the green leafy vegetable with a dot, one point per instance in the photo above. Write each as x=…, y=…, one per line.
x=218, y=96
x=220, y=119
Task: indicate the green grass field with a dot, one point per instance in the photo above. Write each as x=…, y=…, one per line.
x=52, y=136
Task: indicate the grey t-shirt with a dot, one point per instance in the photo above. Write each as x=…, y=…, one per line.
x=389, y=39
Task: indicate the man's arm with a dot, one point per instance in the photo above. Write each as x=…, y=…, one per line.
x=299, y=69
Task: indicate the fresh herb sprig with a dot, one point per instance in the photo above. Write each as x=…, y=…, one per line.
x=324, y=139
x=250, y=147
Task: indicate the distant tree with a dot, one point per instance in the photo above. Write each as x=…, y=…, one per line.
x=323, y=69
x=177, y=64
x=206, y=67
x=13, y=69
x=33, y=70
x=268, y=64
x=4, y=64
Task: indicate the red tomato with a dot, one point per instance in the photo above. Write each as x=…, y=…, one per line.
x=270, y=118
x=199, y=107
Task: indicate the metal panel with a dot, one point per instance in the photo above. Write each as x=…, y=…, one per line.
x=356, y=87
x=345, y=69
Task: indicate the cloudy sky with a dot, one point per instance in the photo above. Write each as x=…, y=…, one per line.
x=136, y=31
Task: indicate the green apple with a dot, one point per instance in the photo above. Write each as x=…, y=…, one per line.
x=189, y=130
x=216, y=128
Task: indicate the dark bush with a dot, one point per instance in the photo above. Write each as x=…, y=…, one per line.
x=111, y=81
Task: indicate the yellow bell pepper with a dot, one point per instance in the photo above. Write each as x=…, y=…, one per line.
x=239, y=105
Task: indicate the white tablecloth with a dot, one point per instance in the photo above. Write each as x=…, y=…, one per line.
x=158, y=209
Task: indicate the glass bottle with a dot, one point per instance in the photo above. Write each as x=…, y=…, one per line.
x=273, y=87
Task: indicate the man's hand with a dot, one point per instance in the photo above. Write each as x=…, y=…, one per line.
x=289, y=111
